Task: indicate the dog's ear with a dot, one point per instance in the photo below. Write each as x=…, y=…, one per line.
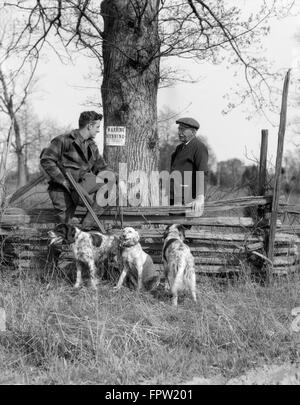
x=96, y=239
x=166, y=231
x=61, y=230
x=181, y=229
x=71, y=232
x=136, y=237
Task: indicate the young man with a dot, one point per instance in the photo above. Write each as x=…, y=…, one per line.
x=190, y=160
x=77, y=153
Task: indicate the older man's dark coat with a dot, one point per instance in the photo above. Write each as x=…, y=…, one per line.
x=193, y=158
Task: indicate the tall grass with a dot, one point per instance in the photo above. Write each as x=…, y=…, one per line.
x=57, y=335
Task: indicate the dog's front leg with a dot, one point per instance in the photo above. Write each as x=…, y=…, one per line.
x=166, y=272
x=175, y=287
x=94, y=280
x=78, y=275
x=140, y=280
x=174, y=298
x=122, y=277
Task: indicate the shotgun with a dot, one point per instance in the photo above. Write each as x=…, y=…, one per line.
x=42, y=177
x=82, y=196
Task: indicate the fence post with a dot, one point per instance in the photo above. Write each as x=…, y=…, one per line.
x=277, y=179
x=262, y=179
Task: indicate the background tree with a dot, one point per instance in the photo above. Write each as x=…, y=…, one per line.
x=36, y=134
x=15, y=87
x=230, y=172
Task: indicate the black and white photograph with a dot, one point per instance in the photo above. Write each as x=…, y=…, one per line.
x=149, y=195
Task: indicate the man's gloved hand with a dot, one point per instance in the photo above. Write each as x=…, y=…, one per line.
x=86, y=194
x=66, y=185
x=197, y=207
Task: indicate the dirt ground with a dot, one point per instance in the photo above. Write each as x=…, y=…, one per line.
x=287, y=374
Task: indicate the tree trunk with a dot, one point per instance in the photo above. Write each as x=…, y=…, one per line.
x=130, y=81
x=20, y=156
x=3, y=171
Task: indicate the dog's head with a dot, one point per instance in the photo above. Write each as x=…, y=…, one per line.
x=175, y=231
x=129, y=237
x=63, y=232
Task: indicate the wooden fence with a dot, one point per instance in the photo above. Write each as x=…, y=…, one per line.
x=220, y=244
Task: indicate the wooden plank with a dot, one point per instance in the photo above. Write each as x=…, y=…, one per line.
x=212, y=248
x=289, y=208
x=18, y=216
x=199, y=236
x=30, y=249
x=206, y=269
x=4, y=232
x=243, y=222
x=203, y=260
x=206, y=235
x=285, y=270
x=203, y=237
x=277, y=180
x=25, y=189
x=200, y=269
x=285, y=260
x=203, y=269
x=210, y=206
x=11, y=220
x=286, y=250
x=286, y=237
x=221, y=236
x=290, y=228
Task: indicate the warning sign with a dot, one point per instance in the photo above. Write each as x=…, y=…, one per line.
x=115, y=136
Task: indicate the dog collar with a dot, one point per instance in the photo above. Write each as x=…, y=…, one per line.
x=130, y=245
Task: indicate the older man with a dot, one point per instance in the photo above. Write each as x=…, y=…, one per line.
x=77, y=153
x=190, y=159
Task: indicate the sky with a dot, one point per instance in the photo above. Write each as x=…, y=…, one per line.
x=61, y=97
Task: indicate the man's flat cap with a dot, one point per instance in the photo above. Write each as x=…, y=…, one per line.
x=189, y=122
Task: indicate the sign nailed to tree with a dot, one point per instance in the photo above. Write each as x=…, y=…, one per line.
x=115, y=136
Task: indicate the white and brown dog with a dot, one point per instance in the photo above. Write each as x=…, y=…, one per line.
x=135, y=259
x=88, y=248
x=178, y=261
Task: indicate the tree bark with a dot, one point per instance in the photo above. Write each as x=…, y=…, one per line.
x=22, y=178
x=130, y=81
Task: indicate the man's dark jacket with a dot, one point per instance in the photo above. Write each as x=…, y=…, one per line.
x=191, y=157
x=74, y=154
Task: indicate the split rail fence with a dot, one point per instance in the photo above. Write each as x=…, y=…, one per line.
x=220, y=244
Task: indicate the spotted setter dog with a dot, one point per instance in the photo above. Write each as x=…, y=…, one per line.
x=178, y=261
x=88, y=248
x=134, y=259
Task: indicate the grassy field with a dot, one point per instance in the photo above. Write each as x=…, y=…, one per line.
x=58, y=335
